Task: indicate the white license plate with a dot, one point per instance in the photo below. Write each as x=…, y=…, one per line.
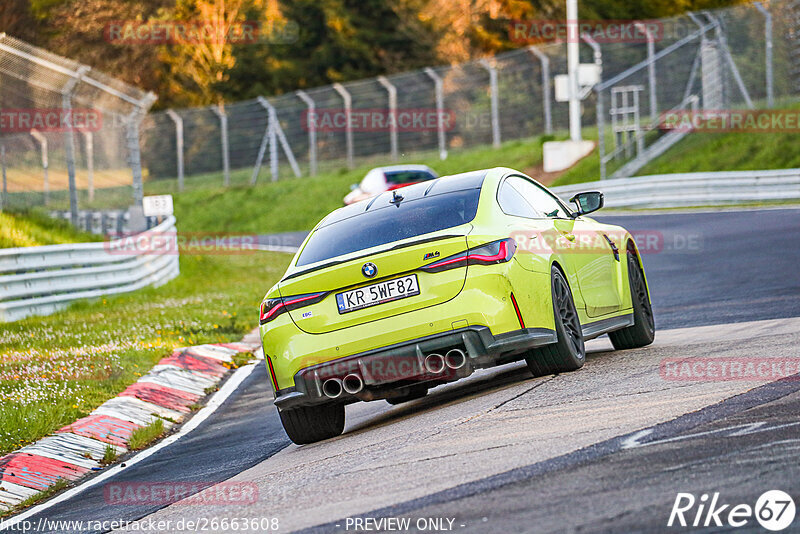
x=387, y=291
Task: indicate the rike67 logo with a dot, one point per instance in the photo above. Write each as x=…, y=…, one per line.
x=774, y=510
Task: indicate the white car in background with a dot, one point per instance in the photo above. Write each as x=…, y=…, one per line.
x=381, y=179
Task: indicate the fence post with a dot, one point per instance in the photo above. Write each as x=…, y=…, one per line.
x=272, y=135
x=273, y=145
x=219, y=111
x=4, y=198
x=134, y=154
x=601, y=134
x=573, y=61
x=494, y=101
x=392, y=90
x=42, y=140
x=651, y=70
x=726, y=53
x=89, y=139
x=439, y=90
x=311, y=123
x=348, y=127
x=69, y=141
x=548, y=114
x=767, y=51
x=601, y=140
x=178, y=120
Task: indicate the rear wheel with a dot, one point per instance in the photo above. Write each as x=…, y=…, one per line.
x=643, y=330
x=307, y=424
x=414, y=392
x=568, y=353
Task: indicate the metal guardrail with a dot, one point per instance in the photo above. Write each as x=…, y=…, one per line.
x=109, y=222
x=42, y=280
x=693, y=189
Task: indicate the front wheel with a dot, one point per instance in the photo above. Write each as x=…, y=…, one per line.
x=568, y=353
x=643, y=330
x=308, y=424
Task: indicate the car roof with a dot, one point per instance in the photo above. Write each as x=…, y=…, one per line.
x=437, y=186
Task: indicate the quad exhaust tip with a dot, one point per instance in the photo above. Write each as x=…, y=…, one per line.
x=455, y=359
x=434, y=363
x=332, y=388
x=352, y=383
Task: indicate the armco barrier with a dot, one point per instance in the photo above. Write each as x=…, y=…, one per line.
x=41, y=280
x=693, y=189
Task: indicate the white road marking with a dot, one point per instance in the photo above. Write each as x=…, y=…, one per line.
x=730, y=432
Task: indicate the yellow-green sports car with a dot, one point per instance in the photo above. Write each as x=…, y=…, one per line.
x=414, y=288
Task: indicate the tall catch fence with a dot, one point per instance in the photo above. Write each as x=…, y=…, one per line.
x=69, y=135
x=739, y=57
x=735, y=58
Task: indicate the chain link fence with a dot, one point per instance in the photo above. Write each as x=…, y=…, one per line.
x=735, y=58
x=744, y=56
x=713, y=59
x=310, y=126
x=68, y=134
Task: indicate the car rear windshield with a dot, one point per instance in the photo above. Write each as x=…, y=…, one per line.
x=405, y=177
x=390, y=223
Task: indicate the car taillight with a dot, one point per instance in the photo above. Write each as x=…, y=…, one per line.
x=489, y=254
x=272, y=308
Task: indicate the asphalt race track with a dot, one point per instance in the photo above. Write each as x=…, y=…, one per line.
x=607, y=448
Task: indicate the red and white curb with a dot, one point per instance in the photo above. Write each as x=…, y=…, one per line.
x=167, y=392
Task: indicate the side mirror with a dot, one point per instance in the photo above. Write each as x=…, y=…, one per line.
x=353, y=187
x=587, y=202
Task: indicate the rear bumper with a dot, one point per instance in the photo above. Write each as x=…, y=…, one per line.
x=402, y=364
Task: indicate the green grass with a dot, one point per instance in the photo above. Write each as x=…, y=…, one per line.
x=299, y=203
x=56, y=369
x=142, y=437
x=35, y=228
x=242, y=358
x=728, y=152
x=698, y=152
x=109, y=455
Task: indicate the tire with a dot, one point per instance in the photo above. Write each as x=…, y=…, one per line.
x=308, y=424
x=414, y=392
x=643, y=330
x=568, y=353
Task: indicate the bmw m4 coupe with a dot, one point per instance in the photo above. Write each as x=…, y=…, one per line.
x=418, y=287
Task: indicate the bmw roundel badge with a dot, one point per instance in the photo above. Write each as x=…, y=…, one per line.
x=369, y=270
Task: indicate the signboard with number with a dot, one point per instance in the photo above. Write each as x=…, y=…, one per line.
x=157, y=206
